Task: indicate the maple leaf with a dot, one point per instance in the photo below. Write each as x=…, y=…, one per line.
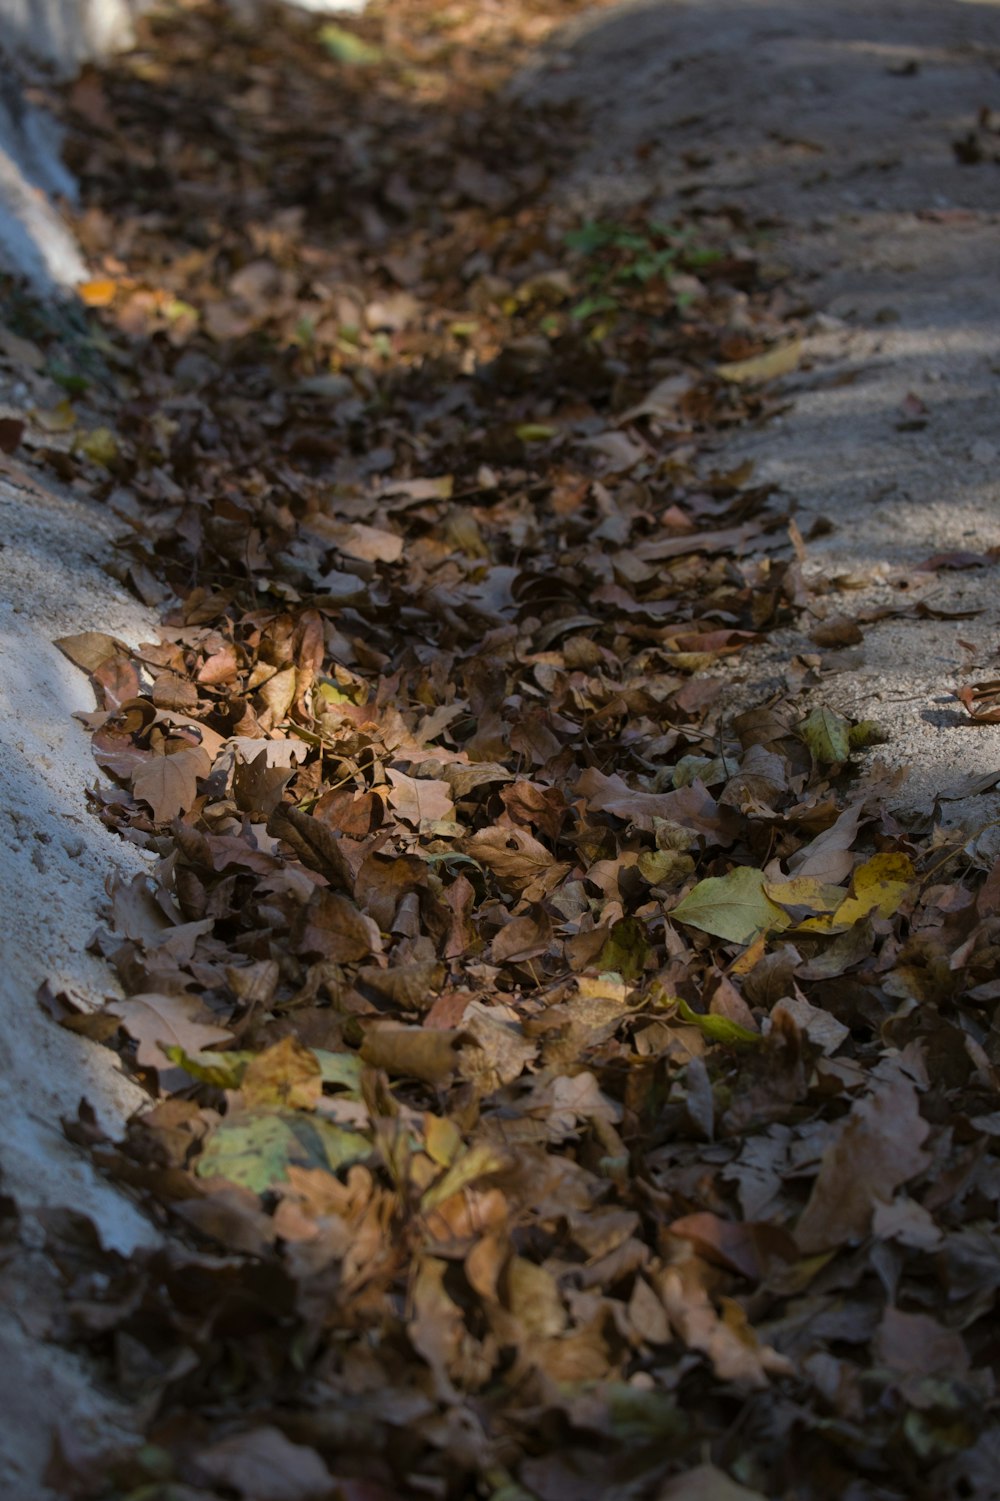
x=169, y=783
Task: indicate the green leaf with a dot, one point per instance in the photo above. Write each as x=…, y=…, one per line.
x=341, y=1069
x=828, y=736
x=702, y=257
x=254, y=1150
x=344, y=47
x=590, y=237
x=718, y=1028
x=940, y=1431
x=447, y=857
x=535, y=432
x=600, y=303
x=176, y=309
x=867, y=732
x=625, y=949
x=630, y=239
x=642, y=1417
x=734, y=907
x=706, y=769
x=75, y=384
x=660, y=867
x=224, y=1070
x=327, y=1144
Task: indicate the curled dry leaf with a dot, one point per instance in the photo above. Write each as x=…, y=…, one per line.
x=415, y=1052
x=781, y=360
x=981, y=701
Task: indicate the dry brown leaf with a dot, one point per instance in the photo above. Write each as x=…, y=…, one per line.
x=419, y=801
x=331, y=927
x=371, y=544
x=879, y=1148
x=415, y=1052
x=90, y=649
x=705, y=1483
x=515, y=857
x=263, y=1465
x=169, y=783
x=914, y=1344
x=180, y=1021
x=692, y=807
x=503, y=1053
x=727, y=1341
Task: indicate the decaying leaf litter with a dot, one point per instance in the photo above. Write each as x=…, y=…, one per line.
x=560, y=1088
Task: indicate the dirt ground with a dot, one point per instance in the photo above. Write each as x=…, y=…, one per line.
x=833, y=125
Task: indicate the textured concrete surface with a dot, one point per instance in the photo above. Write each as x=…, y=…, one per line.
x=54, y=861
x=44, y=38
x=831, y=127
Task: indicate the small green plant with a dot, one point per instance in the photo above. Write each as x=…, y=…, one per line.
x=624, y=258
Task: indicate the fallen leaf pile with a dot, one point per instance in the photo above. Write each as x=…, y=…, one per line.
x=561, y=1088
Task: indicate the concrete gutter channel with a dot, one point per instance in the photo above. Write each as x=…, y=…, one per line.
x=830, y=122
x=55, y=858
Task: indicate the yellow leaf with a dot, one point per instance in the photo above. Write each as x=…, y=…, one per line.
x=100, y=445
x=877, y=889
x=442, y=1139
x=99, y=292
x=284, y=1074
x=223, y=1070
x=57, y=419
x=745, y=962
x=347, y=48
x=533, y=1297
x=780, y=360
x=805, y=891
x=478, y=1162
